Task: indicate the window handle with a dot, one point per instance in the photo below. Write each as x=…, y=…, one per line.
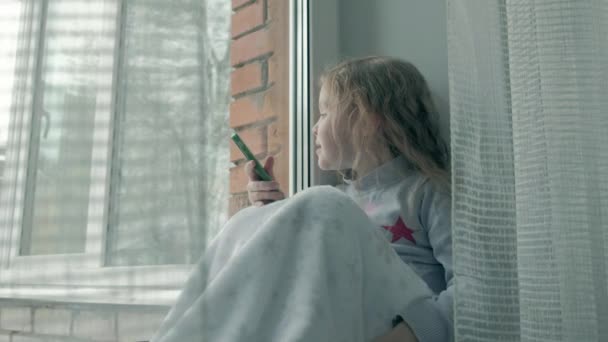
x=45, y=128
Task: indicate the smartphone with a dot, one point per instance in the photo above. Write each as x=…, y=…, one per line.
x=258, y=168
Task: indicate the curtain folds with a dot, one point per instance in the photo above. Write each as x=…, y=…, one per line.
x=528, y=95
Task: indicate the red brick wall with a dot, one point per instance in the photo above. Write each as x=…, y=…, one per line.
x=259, y=111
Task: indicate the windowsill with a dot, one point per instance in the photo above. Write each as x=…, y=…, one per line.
x=81, y=295
x=145, y=285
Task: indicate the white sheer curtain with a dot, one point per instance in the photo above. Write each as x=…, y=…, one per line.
x=529, y=123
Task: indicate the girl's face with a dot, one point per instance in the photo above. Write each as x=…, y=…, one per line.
x=328, y=146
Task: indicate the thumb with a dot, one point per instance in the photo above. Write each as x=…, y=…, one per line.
x=250, y=172
x=268, y=166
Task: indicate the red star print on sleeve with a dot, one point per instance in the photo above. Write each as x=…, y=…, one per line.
x=400, y=230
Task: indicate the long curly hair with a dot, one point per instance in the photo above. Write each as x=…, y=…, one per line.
x=387, y=100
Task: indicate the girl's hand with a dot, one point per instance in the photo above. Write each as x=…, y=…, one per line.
x=262, y=192
x=400, y=333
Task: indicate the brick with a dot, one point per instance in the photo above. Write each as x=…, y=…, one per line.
x=274, y=8
x=267, y=46
x=276, y=138
x=248, y=18
x=250, y=46
x=238, y=179
x=250, y=109
x=52, y=321
x=21, y=338
x=95, y=325
x=246, y=110
x=138, y=326
x=246, y=78
x=276, y=69
x=278, y=13
x=43, y=338
x=278, y=146
x=237, y=202
x=16, y=319
x=255, y=138
x=239, y=3
x=281, y=170
x=278, y=131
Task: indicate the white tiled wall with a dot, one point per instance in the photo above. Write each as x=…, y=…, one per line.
x=36, y=322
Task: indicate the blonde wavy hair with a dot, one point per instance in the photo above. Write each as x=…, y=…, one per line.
x=386, y=100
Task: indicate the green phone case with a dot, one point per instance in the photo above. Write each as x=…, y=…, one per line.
x=259, y=169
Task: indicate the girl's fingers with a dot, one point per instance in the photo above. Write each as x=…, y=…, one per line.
x=266, y=196
x=263, y=186
x=269, y=165
x=262, y=192
x=249, y=170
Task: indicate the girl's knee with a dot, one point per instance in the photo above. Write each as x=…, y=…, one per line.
x=324, y=196
x=325, y=207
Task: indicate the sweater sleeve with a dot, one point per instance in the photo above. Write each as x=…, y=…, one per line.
x=433, y=319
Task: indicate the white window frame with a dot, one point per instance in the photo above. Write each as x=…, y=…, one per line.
x=82, y=278
x=70, y=277
x=299, y=146
x=314, y=46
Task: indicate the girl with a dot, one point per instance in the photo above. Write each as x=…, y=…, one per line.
x=370, y=262
x=376, y=128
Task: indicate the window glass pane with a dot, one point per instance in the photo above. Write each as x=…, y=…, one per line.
x=393, y=31
x=73, y=81
x=170, y=170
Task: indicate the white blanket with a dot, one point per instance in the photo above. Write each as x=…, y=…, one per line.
x=309, y=268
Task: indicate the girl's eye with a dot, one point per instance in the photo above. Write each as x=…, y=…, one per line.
x=322, y=115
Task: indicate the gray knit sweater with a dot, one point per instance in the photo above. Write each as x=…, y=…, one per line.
x=415, y=217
